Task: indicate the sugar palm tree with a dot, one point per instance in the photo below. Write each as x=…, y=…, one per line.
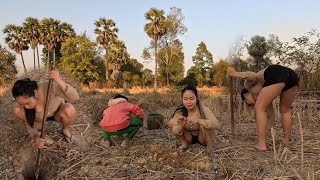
x=258, y=47
x=155, y=29
x=48, y=35
x=106, y=32
x=63, y=32
x=31, y=33
x=16, y=41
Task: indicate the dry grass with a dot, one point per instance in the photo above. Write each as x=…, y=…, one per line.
x=153, y=154
x=3, y=90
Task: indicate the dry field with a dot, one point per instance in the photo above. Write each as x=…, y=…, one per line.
x=153, y=154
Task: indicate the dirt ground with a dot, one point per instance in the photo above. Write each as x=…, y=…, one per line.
x=152, y=153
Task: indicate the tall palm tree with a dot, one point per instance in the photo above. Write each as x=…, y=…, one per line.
x=16, y=41
x=48, y=35
x=258, y=47
x=64, y=32
x=31, y=33
x=155, y=29
x=106, y=32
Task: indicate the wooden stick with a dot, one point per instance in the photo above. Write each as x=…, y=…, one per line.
x=301, y=136
x=274, y=145
x=297, y=174
x=209, y=141
x=231, y=105
x=42, y=135
x=194, y=157
x=45, y=115
x=197, y=173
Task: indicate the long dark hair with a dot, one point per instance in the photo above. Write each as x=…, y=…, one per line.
x=243, y=92
x=26, y=87
x=120, y=96
x=182, y=108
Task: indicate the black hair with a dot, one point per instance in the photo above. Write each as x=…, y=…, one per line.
x=190, y=88
x=120, y=96
x=243, y=92
x=26, y=87
x=182, y=108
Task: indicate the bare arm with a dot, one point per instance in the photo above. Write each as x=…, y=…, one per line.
x=210, y=121
x=61, y=88
x=178, y=122
x=248, y=75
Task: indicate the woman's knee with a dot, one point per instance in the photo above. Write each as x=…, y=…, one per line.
x=285, y=109
x=67, y=110
x=170, y=123
x=187, y=135
x=202, y=135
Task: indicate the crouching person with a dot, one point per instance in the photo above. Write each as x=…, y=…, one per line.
x=121, y=118
x=188, y=126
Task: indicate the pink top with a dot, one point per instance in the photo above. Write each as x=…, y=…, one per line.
x=117, y=115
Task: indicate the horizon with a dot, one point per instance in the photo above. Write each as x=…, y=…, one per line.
x=217, y=24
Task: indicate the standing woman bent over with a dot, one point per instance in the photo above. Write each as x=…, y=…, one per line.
x=261, y=88
x=186, y=123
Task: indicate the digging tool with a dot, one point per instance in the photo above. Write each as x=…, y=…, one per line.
x=45, y=115
x=40, y=173
x=231, y=105
x=209, y=142
x=42, y=135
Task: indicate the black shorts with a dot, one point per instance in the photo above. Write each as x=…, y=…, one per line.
x=50, y=118
x=195, y=140
x=277, y=74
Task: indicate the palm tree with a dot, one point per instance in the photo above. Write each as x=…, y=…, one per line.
x=48, y=35
x=16, y=41
x=31, y=33
x=155, y=29
x=257, y=48
x=64, y=32
x=106, y=34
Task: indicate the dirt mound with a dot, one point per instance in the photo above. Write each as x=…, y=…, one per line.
x=153, y=154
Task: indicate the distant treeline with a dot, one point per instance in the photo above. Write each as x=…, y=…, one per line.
x=106, y=60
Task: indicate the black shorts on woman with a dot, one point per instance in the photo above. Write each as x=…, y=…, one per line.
x=277, y=74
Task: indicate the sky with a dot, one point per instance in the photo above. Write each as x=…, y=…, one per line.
x=219, y=24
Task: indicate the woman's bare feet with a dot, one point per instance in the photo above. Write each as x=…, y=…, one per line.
x=183, y=147
x=105, y=143
x=125, y=143
x=260, y=148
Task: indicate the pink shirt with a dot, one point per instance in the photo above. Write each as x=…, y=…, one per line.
x=117, y=115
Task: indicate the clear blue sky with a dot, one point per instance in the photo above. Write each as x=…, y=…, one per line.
x=217, y=23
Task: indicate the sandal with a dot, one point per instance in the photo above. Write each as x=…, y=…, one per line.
x=180, y=149
x=70, y=139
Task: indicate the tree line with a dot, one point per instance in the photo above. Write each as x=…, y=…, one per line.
x=106, y=59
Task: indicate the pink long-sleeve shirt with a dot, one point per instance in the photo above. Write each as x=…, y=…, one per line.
x=117, y=115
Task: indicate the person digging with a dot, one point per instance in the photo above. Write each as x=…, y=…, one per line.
x=30, y=97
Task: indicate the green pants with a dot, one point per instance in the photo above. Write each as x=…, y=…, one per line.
x=131, y=130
